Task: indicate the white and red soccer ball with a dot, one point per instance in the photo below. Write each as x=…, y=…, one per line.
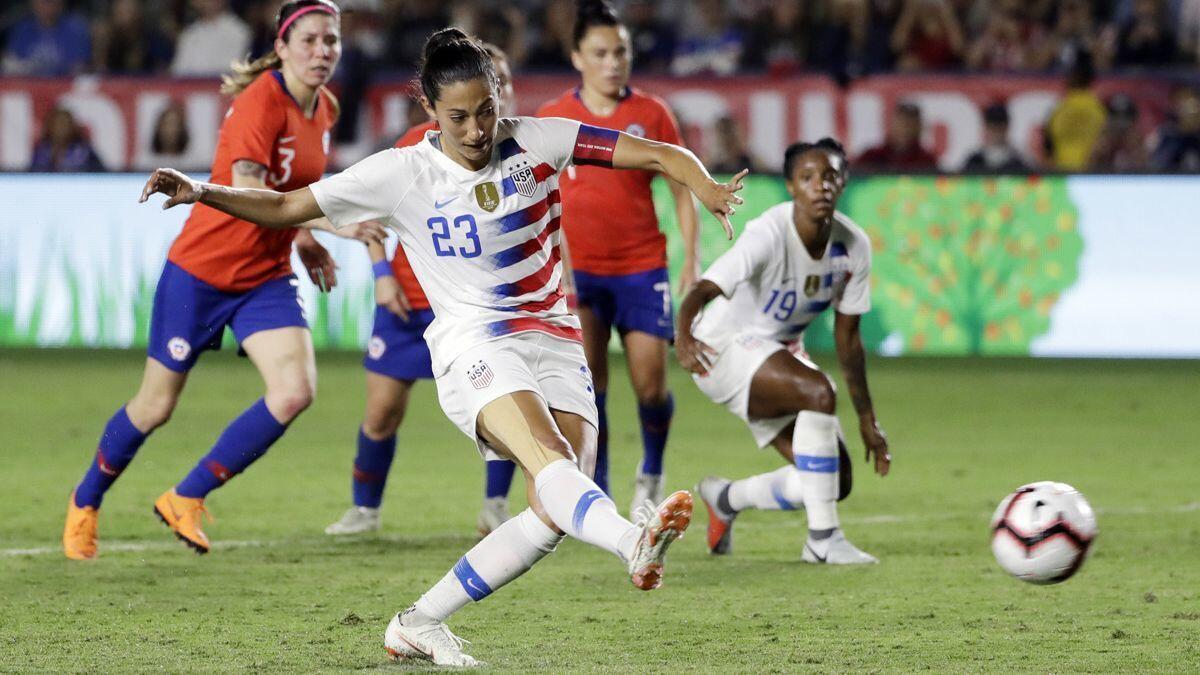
x=1042, y=532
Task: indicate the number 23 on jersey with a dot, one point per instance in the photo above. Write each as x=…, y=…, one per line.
x=457, y=238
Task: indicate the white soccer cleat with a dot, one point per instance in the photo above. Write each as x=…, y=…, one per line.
x=357, y=520
x=431, y=642
x=720, y=524
x=835, y=550
x=492, y=515
x=660, y=526
x=646, y=488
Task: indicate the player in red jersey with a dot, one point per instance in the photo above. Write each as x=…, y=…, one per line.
x=397, y=356
x=222, y=271
x=617, y=250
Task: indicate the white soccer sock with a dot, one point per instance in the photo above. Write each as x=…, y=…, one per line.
x=777, y=490
x=815, y=449
x=505, y=554
x=580, y=508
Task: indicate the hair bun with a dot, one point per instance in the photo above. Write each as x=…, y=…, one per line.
x=444, y=38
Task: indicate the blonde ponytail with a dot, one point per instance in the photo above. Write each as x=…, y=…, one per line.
x=245, y=72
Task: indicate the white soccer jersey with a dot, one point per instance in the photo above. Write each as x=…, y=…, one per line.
x=484, y=244
x=774, y=289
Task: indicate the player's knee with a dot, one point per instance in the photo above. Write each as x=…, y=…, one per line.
x=817, y=394
x=555, y=443
x=289, y=402
x=150, y=412
x=652, y=394
x=382, y=422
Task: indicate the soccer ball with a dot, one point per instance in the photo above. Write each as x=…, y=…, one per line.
x=1042, y=532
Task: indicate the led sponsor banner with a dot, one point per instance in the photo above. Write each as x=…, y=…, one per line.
x=1078, y=266
x=121, y=113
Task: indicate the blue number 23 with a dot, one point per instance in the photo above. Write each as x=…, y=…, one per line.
x=441, y=236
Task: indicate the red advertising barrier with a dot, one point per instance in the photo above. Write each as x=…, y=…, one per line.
x=120, y=113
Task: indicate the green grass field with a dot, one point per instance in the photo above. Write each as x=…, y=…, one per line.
x=278, y=595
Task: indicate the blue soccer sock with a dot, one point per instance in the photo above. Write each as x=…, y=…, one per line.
x=601, y=475
x=656, y=424
x=118, y=444
x=243, y=441
x=499, y=478
x=371, y=466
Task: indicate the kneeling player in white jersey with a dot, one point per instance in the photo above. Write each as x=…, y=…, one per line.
x=747, y=353
x=477, y=208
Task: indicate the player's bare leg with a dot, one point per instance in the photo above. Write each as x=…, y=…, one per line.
x=785, y=385
x=284, y=358
x=387, y=401
x=647, y=362
x=596, y=335
x=149, y=409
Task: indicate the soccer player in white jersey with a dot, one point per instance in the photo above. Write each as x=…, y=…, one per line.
x=476, y=206
x=746, y=352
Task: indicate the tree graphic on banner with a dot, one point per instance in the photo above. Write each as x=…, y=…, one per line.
x=968, y=266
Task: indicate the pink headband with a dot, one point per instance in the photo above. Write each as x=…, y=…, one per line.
x=301, y=12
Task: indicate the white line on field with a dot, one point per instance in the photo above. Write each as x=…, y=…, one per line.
x=880, y=519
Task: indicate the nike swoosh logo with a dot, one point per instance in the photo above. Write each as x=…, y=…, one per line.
x=438, y=205
x=471, y=583
x=287, y=139
x=814, y=553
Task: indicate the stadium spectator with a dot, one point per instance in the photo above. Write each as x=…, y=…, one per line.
x=1121, y=145
x=1178, y=146
x=653, y=40
x=363, y=51
x=729, y=154
x=553, y=41
x=1008, y=41
x=778, y=40
x=1144, y=39
x=64, y=146
x=124, y=42
x=840, y=35
x=902, y=151
x=881, y=21
x=997, y=155
x=170, y=142
x=1075, y=30
x=928, y=36
x=208, y=45
x=1188, y=30
x=48, y=42
x=1076, y=121
x=711, y=42
x=501, y=24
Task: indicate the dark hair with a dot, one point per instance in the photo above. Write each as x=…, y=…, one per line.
x=157, y=144
x=795, y=150
x=450, y=56
x=590, y=13
x=245, y=72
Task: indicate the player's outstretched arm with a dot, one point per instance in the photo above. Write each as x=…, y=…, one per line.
x=853, y=360
x=681, y=165
x=694, y=355
x=388, y=293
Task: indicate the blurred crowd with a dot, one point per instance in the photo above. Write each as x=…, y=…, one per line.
x=845, y=38
x=679, y=37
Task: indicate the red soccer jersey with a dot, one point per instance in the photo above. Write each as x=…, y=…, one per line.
x=400, y=267
x=608, y=216
x=264, y=125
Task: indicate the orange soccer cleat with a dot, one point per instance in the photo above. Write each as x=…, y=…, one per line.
x=183, y=514
x=80, y=532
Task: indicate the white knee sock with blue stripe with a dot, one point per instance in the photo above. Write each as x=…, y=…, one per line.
x=578, y=507
x=779, y=490
x=815, y=449
x=505, y=554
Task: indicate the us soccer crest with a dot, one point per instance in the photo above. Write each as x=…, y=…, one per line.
x=524, y=180
x=488, y=196
x=480, y=375
x=812, y=284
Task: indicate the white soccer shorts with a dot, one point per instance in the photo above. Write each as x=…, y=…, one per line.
x=728, y=382
x=553, y=368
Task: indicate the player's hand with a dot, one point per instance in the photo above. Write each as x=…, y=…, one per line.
x=389, y=295
x=876, y=443
x=688, y=276
x=367, y=231
x=317, y=261
x=721, y=199
x=693, y=355
x=178, y=188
